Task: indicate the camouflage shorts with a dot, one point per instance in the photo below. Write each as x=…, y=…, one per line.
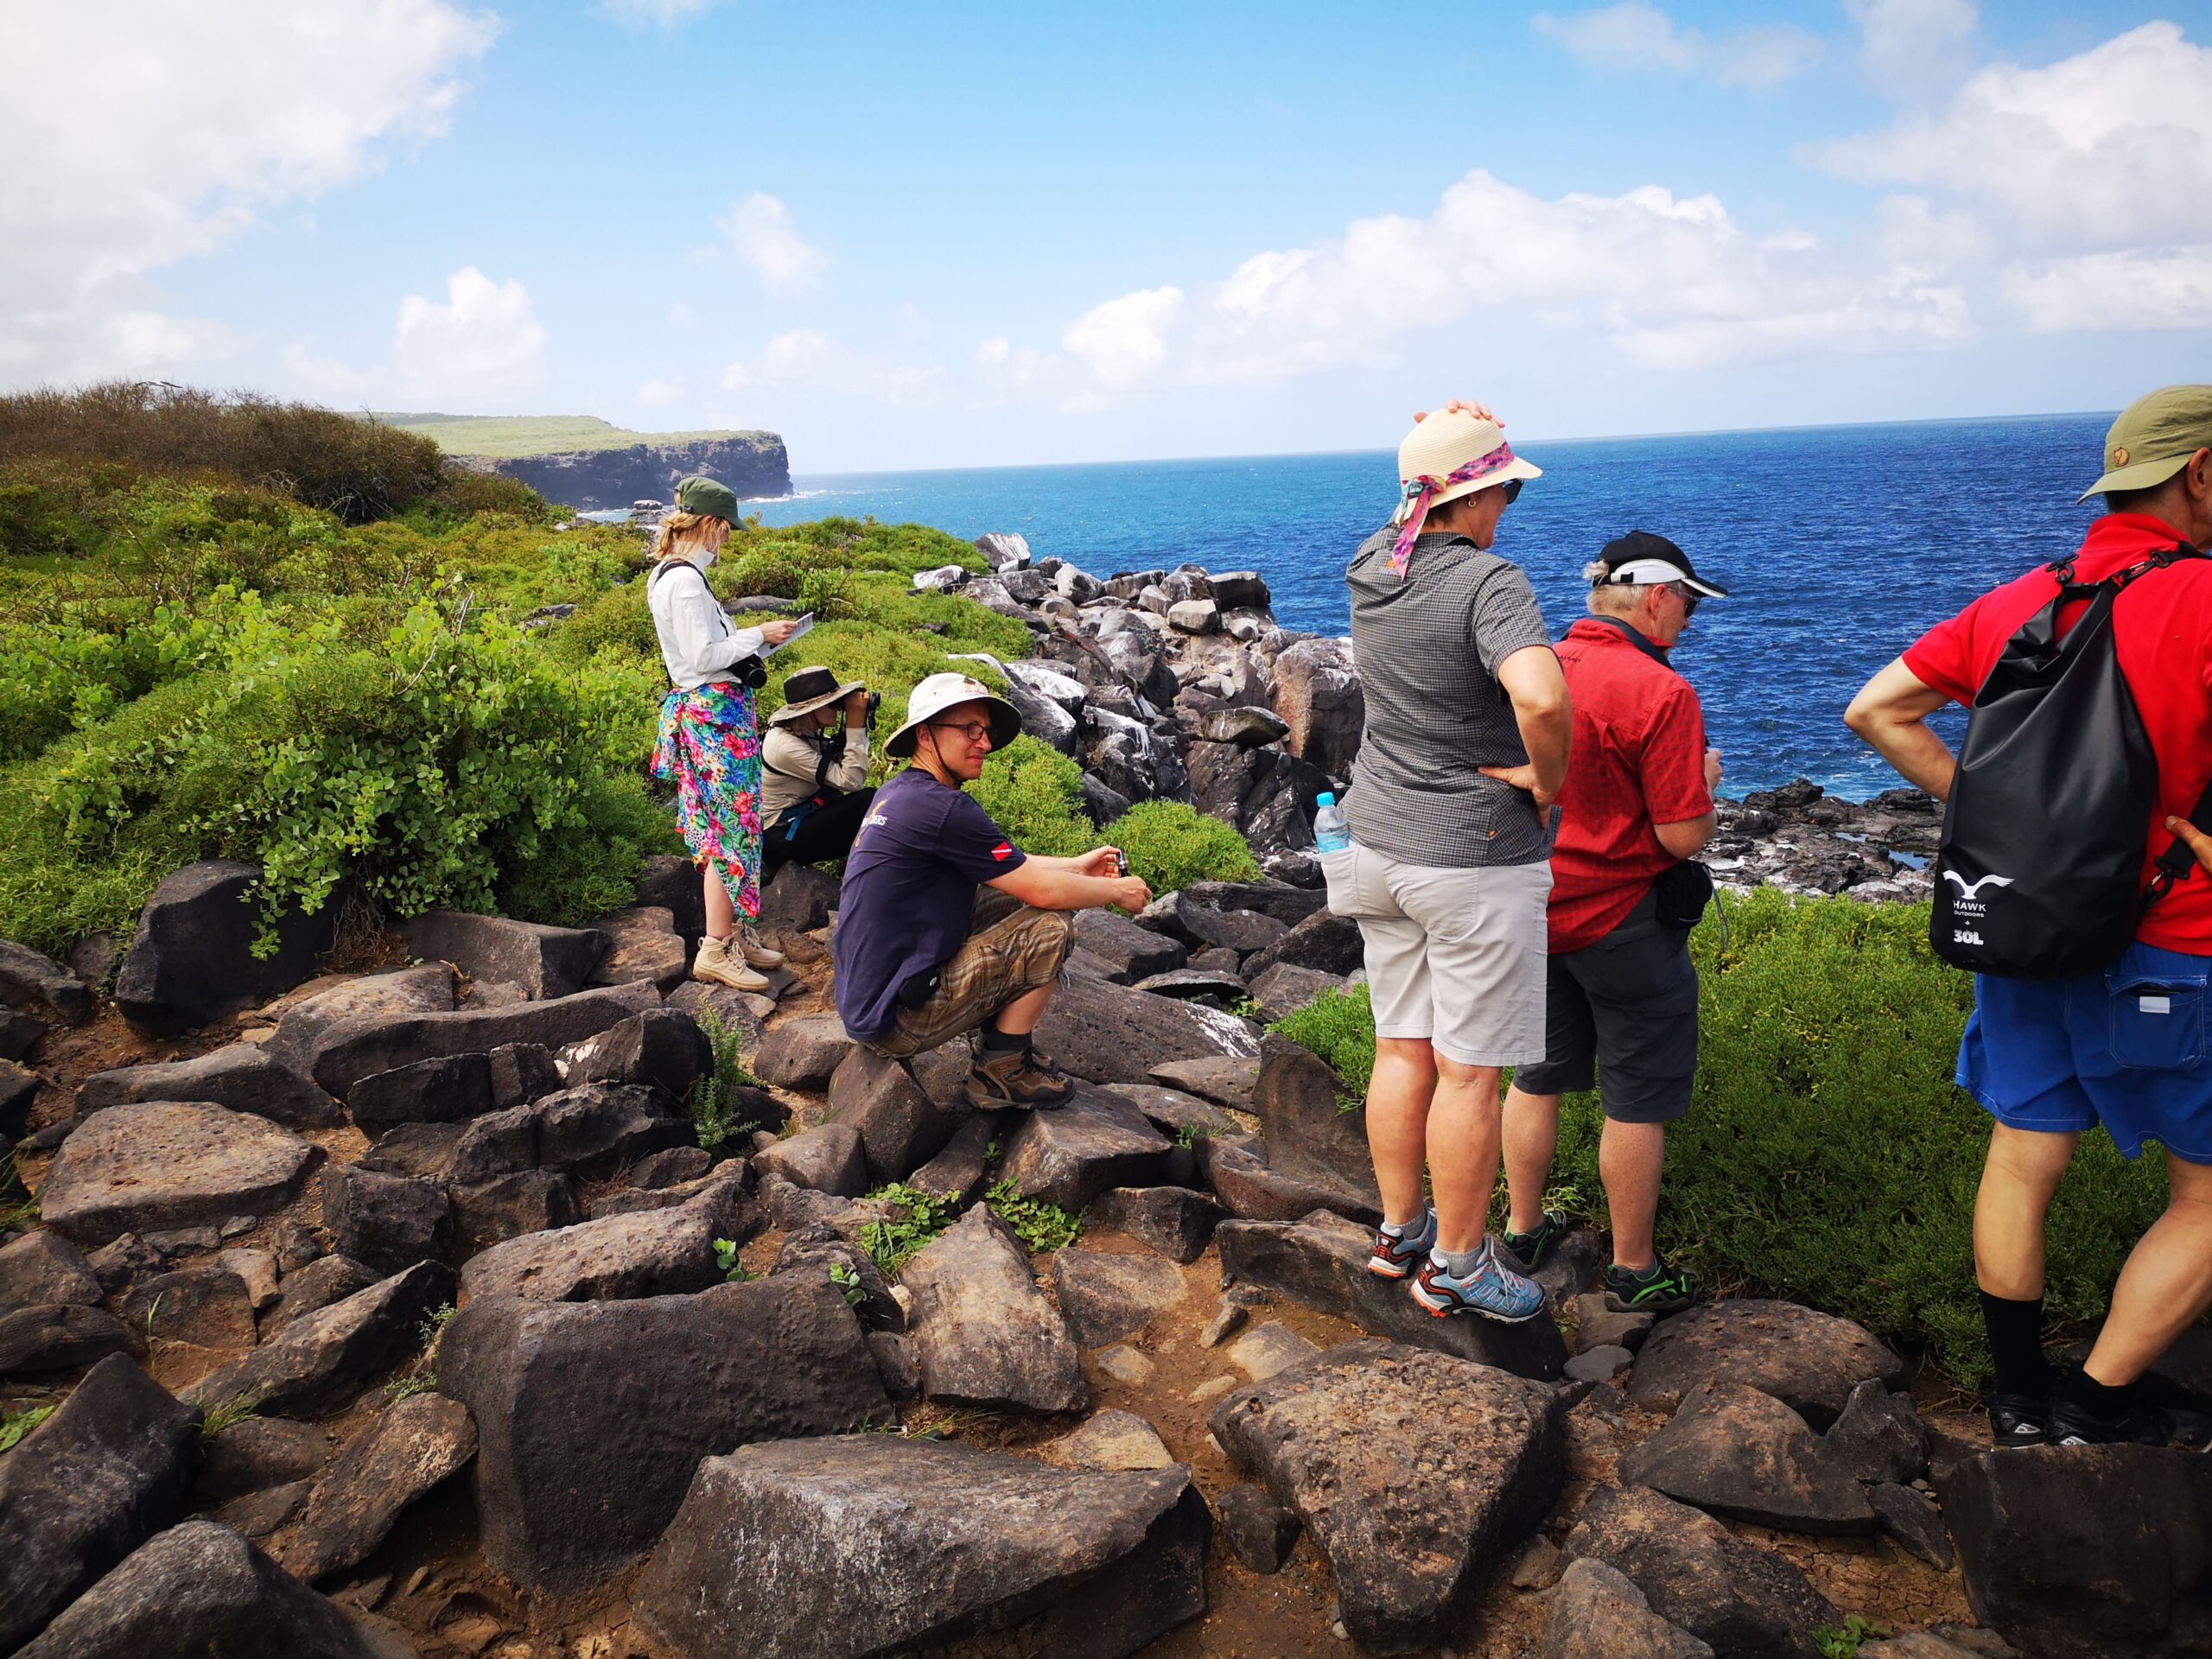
x=1012, y=950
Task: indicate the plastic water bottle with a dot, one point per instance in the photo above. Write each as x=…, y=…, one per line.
x=1331, y=833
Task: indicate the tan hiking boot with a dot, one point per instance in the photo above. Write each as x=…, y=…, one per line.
x=1020, y=1076
x=717, y=967
x=758, y=955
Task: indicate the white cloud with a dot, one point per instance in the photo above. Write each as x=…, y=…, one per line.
x=658, y=393
x=145, y=133
x=1124, y=342
x=1636, y=35
x=1914, y=49
x=809, y=358
x=486, y=337
x=2105, y=150
x=1671, y=282
x=2114, y=292
x=761, y=228
x=995, y=349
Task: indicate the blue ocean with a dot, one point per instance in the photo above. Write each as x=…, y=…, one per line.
x=1840, y=544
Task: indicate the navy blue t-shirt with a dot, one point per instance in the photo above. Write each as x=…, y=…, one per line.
x=910, y=891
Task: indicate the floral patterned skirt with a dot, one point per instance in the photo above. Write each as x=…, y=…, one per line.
x=710, y=745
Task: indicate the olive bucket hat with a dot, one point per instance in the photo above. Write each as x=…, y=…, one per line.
x=708, y=498
x=2154, y=438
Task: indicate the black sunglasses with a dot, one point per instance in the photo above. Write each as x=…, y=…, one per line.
x=1690, y=600
x=1512, y=488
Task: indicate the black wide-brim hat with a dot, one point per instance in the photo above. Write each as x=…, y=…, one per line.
x=813, y=686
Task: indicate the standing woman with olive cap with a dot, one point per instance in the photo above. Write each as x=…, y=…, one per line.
x=710, y=736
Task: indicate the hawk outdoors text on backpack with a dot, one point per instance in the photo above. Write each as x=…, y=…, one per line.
x=2040, y=872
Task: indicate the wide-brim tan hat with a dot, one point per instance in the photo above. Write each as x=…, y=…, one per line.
x=1452, y=440
x=942, y=691
x=805, y=692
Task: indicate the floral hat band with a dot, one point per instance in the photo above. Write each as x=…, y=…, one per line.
x=1418, y=494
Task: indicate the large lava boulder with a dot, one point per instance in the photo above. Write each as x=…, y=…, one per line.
x=191, y=959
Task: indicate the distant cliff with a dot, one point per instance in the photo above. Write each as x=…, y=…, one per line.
x=752, y=463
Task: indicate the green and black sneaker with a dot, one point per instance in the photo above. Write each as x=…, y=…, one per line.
x=1531, y=1247
x=1658, y=1289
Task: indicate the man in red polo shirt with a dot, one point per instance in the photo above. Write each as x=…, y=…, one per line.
x=1620, y=1001
x=2124, y=1046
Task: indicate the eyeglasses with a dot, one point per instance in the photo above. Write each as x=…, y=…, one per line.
x=1512, y=489
x=975, y=731
x=1690, y=600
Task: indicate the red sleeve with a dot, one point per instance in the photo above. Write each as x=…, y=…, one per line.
x=1671, y=769
x=1943, y=657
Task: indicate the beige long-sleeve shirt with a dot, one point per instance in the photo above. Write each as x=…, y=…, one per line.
x=790, y=763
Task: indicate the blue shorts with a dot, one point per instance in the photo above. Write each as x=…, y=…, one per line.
x=2124, y=1047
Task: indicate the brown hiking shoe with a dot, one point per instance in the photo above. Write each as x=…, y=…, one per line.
x=1020, y=1077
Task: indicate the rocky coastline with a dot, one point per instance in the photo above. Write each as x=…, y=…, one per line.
x=466, y=1296
x=1180, y=685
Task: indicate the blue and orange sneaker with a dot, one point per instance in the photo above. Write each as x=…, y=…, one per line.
x=1493, y=1290
x=1395, y=1257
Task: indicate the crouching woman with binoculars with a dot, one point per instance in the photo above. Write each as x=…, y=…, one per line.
x=709, y=742
x=813, y=763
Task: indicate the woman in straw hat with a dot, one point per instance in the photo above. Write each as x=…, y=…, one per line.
x=709, y=742
x=812, y=777
x=1448, y=869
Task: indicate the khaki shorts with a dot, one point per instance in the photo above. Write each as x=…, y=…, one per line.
x=1012, y=948
x=1455, y=957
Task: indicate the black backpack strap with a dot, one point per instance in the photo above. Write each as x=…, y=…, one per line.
x=2177, y=860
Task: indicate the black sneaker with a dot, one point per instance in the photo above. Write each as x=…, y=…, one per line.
x=1531, y=1247
x=2019, y=1419
x=1658, y=1289
x=2141, y=1423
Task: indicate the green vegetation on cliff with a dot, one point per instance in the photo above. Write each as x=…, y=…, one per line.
x=508, y=436
x=226, y=630
x=1828, y=1157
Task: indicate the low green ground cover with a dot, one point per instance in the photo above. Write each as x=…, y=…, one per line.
x=1828, y=1158
x=280, y=634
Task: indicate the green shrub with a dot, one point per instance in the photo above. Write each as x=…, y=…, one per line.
x=1034, y=793
x=446, y=761
x=1170, y=845
x=1828, y=1158
x=919, y=1216
x=1339, y=1026
x=1041, y=1225
x=714, y=1097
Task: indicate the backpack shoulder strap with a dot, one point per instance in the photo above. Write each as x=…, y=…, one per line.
x=2176, y=863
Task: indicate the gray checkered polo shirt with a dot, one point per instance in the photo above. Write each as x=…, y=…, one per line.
x=1428, y=645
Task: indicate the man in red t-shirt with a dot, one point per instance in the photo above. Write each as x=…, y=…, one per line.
x=2123, y=1046
x=1621, y=999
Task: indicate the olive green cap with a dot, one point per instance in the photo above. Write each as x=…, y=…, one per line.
x=708, y=497
x=2154, y=438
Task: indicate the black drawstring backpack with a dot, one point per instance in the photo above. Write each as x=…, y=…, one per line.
x=2040, y=872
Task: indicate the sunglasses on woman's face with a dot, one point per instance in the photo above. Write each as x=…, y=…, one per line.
x=1512, y=488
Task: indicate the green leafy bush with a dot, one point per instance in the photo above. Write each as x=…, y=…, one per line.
x=447, y=762
x=1034, y=793
x=918, y=1217
x=1828, y=1158
x=1041, y=1225
x=1170, y=845
x=356, y=468
x=1339, y=1026
x=714, y=1111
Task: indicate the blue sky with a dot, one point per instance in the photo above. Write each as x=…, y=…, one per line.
x=937, y=236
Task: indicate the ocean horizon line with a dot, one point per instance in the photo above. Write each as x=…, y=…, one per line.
x=1326, y=454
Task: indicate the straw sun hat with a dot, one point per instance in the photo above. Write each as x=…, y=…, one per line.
x=1447, y=456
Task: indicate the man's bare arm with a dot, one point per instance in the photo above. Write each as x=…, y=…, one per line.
x=1890, y=713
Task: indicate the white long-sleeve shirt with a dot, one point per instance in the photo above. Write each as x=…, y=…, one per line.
x=696, y=640
x=791, y=763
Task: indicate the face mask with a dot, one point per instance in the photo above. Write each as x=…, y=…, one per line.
x=701, y=556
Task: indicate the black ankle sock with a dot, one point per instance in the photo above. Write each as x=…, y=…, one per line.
x=998, y=1042
x=2101, y=1399
x=2016, y=1346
